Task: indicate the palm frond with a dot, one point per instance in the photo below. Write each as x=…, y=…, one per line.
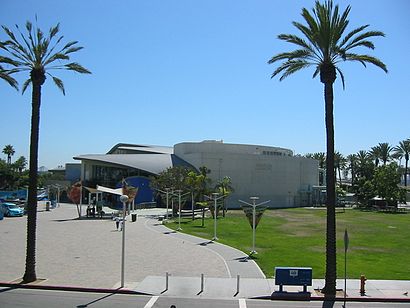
x=289, y=67
x=366, y=59
x=8, y=60
x=57, y=56
x=15, y=45
x=356, y=40
x=5, y=75
x=73, y=49
x=351, y=34
x=54, y=30
x=77, y=68
x=342, y=77
x=59, y=83
x=25, y=85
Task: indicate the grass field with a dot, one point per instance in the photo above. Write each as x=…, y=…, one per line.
x=379, y=243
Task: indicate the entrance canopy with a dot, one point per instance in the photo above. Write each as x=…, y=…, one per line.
x=117, y=191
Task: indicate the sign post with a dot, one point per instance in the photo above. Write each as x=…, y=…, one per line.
x=254, y=222
x=346, y=243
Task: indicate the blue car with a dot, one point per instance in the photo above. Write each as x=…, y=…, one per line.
x=11, y=210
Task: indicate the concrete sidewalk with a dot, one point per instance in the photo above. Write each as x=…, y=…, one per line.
x=263, y=288
x=236, y=261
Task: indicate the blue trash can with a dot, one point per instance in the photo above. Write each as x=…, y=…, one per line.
x=1, y=214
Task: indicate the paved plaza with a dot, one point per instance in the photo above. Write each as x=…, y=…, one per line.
x=87, y=252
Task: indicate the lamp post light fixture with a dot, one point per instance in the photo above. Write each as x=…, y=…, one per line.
x=124, y=200
x=215, y=198
x=179, y=191
x=254, y=205
x=167, y=193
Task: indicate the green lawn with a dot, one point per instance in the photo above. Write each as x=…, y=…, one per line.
x=379, y=242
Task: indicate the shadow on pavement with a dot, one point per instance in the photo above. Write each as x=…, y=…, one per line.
x=205, y=243
x=328, y=304
x=97, y=300
x=7, y=289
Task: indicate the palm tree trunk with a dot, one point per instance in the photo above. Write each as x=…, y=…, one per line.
x=330, y=279
x=405, y=170
x=30, y=272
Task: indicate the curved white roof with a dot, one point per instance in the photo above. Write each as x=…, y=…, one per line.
x=152, y=163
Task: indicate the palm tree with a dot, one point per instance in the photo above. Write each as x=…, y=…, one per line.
x=20, y=164
x=324, y=47
x=375, y=155
x=9, y=151
x=385, y=152
x=37, y=54
x=340, y=163
x=403, y=150
x=352, y=163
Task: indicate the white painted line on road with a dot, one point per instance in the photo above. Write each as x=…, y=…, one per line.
x=242, y=303
x=151, y=302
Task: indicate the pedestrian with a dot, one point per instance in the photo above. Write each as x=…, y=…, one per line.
x=117, y=222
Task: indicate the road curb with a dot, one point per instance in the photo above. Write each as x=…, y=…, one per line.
x=290, y=297
x=70, y=288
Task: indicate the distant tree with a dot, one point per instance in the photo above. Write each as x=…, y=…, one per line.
x=173, y=178
x=403, y=150
x=38, y=54
x=9, y=151
x=385, y=181
x=324, y=46
x=340, y=163
x=352, y=165
x=385, y=152
x=20, y=164
x=321, y=158
x=375, y=155
x=7, y=176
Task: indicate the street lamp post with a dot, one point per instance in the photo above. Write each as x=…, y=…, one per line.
x=215, y=198
x=179, y=191
x=124, y=200
x=166, y=192
x=254, y=205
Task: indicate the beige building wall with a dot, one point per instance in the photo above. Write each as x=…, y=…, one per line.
x=270, y=173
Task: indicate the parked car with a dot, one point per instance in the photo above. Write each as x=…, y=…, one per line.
x=11, y=209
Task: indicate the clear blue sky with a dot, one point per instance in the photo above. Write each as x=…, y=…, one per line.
x=165, y=72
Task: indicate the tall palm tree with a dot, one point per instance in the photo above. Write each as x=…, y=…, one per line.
x=324, y=46
x=38, y=54
x=403, y=150
x=9, y=151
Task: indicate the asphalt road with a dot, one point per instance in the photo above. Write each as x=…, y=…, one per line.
x=62, y=299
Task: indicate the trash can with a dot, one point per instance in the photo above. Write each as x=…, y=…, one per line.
x=134, y=217
x=1, y=214
x=47, y=205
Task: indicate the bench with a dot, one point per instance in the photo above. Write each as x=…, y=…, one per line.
x=293, y=276
x=188, y=213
